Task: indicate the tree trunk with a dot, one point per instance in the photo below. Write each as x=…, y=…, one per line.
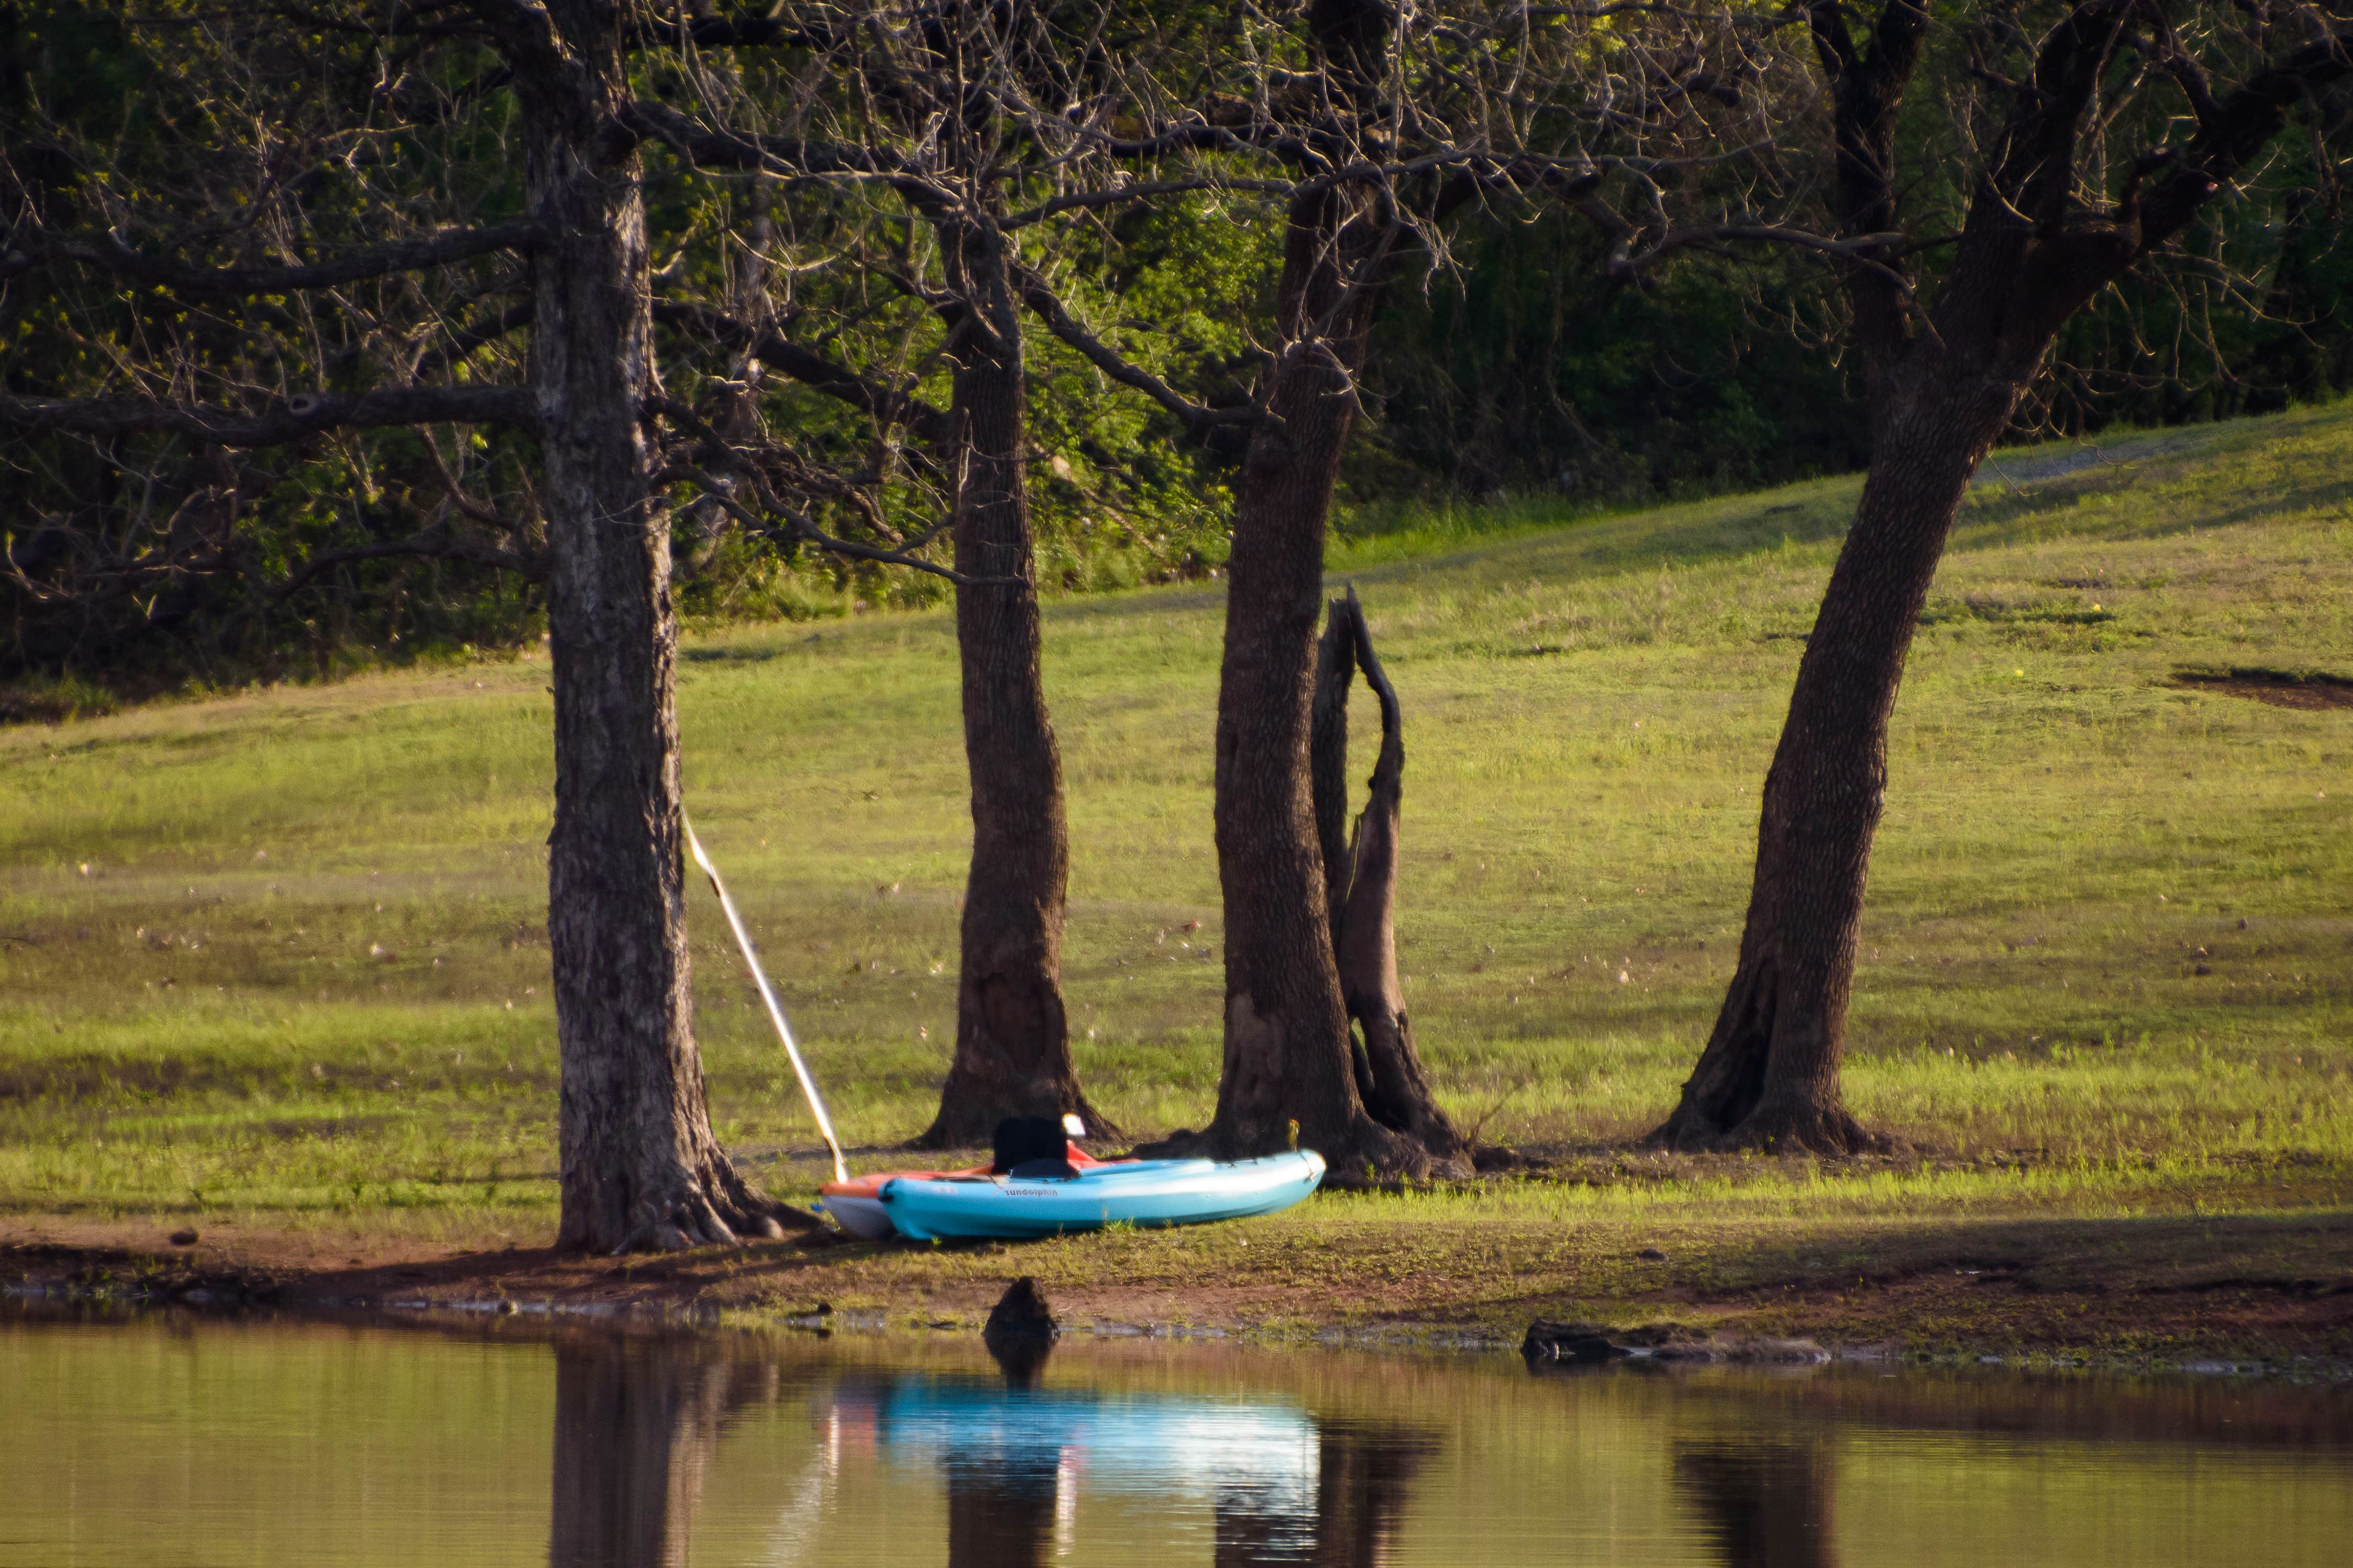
x=638, y=1165
x=1287, y=1052
x=1361, y=874
x=1327, y=758
x=1769, y=1076
x=1013, y=1042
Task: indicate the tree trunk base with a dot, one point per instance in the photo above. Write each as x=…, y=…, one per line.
x=974, y=1126
x=716, y=1207
x=1743, y=1095
x=1366, y=1151
x=1800, y=1129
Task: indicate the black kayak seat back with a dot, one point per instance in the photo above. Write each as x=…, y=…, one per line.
x=1031, y=1147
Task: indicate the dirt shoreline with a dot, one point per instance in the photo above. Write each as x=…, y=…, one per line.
x=2295, y=1327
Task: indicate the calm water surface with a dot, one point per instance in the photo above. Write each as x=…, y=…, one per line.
x=171, y=1442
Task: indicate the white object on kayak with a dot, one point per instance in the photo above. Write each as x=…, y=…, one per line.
x=1146, y=1193
x=768, y=995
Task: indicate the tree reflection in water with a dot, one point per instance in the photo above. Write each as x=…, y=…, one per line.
x=1001, y=1511
x=1363, y=1474
x=1004, y=1501
x=1002, y=1498
x=1762, y=1503
x=637, y=1421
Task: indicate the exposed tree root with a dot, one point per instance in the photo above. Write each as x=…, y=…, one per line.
x=1363, y=1149
x=1732, y=1100
x=1803, y=1132
x=718, y=1209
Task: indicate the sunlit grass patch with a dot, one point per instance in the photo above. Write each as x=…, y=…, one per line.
x=283, y=954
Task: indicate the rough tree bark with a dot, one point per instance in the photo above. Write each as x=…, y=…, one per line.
x=2036, y=246
x=1360, y=876
x=1013, y=1039
x=1770, y=1074
x=1287, y=1050
x=638, y=1165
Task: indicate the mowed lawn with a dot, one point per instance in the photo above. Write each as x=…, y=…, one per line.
x=279, y=958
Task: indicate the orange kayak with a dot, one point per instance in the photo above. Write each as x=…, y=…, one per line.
x=857, y=1203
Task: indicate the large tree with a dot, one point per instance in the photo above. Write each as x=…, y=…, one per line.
x=957, y=135
x=609, y=452
x=2078, y=141
x=1372, y=132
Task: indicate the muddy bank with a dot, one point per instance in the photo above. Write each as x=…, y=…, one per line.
x=2128, y=1317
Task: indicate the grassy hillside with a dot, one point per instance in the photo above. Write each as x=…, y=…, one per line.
x=280, y=958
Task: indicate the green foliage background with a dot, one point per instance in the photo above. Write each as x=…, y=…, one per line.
x=1514, y=367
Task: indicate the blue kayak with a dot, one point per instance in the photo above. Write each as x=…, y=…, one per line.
x=1147, y=1193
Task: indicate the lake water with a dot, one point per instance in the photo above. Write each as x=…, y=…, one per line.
x=169, y=1441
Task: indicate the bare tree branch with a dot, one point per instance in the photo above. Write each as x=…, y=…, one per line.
x=886, y=406
x=1195, y=416
x=805, y=529
x=435, y=544
x=792, y=159
x=306, y=415
x=2240, y=126
x=397, y=256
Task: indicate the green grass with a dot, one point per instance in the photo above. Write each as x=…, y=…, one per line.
x=280, y=955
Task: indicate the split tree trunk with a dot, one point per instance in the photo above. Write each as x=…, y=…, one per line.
x=1287, y=1055
x=1288, y=1052
x=1769, y=1076
x=1360, y=878
x=638, y=1165
x=1013, y=1040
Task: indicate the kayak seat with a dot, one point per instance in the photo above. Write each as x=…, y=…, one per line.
x=1022, y=1140
x=1043, y=1170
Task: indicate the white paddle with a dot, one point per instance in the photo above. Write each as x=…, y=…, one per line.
x=776, y=1009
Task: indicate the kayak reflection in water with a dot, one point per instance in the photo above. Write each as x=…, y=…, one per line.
x=1013, y=1459
x=1280, y=1487
x=639, y=1423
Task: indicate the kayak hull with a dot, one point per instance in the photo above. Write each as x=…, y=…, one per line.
x=856, y=1206
x=1148, y=1193
x=861, y=1215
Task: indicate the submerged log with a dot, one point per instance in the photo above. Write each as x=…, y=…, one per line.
x=1570, y=1343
